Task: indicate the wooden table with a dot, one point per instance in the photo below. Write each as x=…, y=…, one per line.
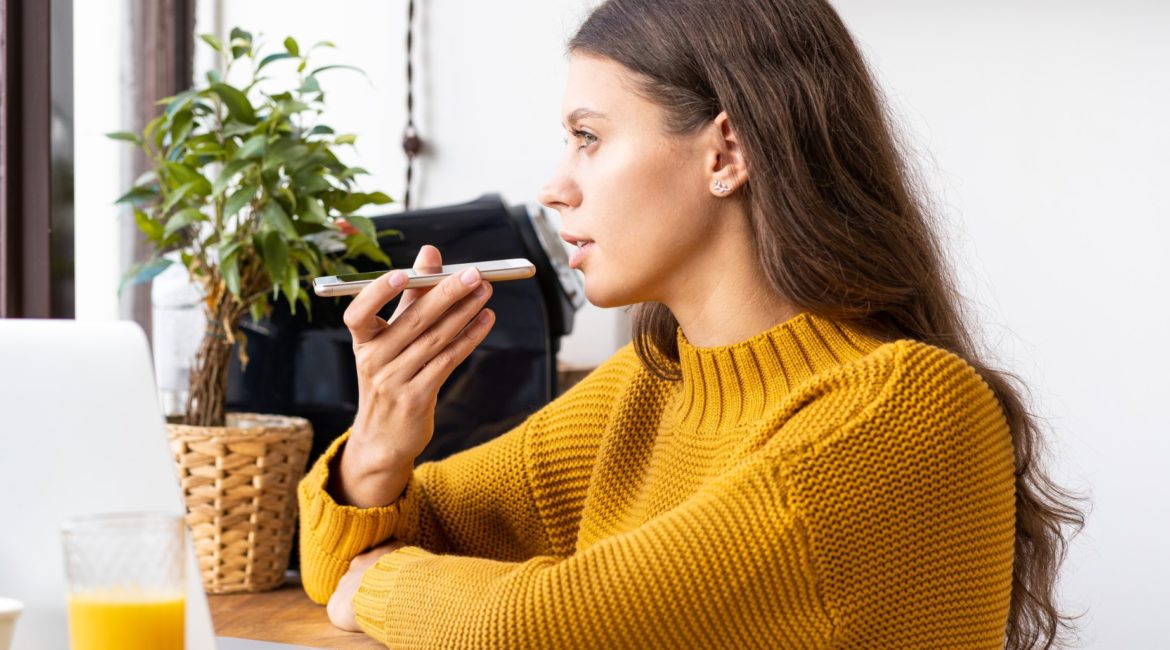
x=285, y=615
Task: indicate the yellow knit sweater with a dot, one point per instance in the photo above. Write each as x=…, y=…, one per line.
x=807, y=488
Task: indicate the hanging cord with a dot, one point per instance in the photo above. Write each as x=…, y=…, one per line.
x=411, y=143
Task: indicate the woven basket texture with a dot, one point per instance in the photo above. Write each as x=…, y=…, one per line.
x=239, y=483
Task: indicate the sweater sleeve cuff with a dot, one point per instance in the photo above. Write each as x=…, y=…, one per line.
x=373, y=598
x=333, y=534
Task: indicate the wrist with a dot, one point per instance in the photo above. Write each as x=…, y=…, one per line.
x=366, y=477
x=364, y=457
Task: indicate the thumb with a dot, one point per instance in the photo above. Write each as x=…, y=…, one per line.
x=427, y=256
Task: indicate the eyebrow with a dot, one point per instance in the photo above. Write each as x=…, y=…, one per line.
x=582, y=113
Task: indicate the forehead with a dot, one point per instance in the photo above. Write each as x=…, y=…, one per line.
x=603, y=86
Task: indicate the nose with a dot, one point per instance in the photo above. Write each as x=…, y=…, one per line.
x=561, y=192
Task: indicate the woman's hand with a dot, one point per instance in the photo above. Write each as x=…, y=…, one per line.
x=340, y=606
x=401, y=363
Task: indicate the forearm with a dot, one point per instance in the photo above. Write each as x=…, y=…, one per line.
x=333, y=533
x=691, y=578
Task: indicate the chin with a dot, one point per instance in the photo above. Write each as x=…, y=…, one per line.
x=604, y=296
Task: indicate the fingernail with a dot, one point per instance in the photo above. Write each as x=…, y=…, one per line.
x=483, y=317
x=398, y=279
x=470, y=276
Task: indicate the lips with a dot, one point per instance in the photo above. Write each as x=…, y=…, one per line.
x=582, y=244
x=579, y=254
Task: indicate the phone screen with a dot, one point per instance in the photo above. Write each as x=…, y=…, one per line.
x=426, y=271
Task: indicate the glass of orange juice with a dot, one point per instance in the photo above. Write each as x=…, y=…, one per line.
x=126, y=575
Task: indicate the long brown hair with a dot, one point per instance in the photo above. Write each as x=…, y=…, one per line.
x=840, y=229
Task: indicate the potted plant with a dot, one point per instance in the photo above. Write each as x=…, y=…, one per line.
x=244, y=190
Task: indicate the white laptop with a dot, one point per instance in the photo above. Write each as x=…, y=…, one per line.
x=80, y=433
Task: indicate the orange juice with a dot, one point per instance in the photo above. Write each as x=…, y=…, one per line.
x=122, y=621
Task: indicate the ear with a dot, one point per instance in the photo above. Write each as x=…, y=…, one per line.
x=726, y=165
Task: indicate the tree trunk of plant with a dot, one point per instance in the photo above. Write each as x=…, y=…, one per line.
x=207, y=383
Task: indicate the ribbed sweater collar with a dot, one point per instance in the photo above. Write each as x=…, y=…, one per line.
x=728, y=386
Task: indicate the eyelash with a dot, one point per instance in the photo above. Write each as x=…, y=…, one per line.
x=581, y=135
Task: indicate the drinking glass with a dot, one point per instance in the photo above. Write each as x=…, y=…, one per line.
x=126, y=577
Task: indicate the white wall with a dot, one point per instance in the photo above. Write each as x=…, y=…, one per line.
x=1041, y=127
x=102, y=94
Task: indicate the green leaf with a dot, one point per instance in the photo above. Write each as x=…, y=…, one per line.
x=229, y=265
x=282, y=153
x=364, y=226
x=148, y=177
x=229, y=269
x=252, y=148
x=237, y=102
x=276, y=218
x=238, y=200
x=345, y=138
x=354, y=200
x=322, y=44
x=211, y=40
x=179, y=174
x=356, y=245
x=179, y=102
x=272, y=58
x=144, y=272
x=303, y=298
x=229, y=172
x=292, y=283
x=182, y=219
x=350, y=172
x=239, y=47
x=290, y=44
x=236, y=128
x=241, y=42
x=292, y=107
x=149, y=227
x=139, y=195
x=310, y=86
x=309, y=183
x=181, y=126
x=150, y=127
x=321, y=129
x=179, y=194
x=312, y=211
x=275, y=255
x=258, y=310
x=125, y=136
x=306, y=259
x=338, y=67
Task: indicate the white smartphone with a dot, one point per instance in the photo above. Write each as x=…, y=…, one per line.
x=492, y=271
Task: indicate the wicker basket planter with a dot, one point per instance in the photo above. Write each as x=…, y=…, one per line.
x=239, y=483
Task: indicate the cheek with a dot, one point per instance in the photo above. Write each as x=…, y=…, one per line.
x=643, y=212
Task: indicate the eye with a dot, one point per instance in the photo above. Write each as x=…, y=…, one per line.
x=584, y=137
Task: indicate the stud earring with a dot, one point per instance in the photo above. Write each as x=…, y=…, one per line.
x=721, y=187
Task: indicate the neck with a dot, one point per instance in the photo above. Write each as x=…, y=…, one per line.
x=724, y=298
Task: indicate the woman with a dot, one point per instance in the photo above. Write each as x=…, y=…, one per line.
x=800, y=449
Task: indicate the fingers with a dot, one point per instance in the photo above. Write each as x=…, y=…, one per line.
x=421, y=315
x=361, y=317
x=427, y=256
x=430, y=343
x=440, y=367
